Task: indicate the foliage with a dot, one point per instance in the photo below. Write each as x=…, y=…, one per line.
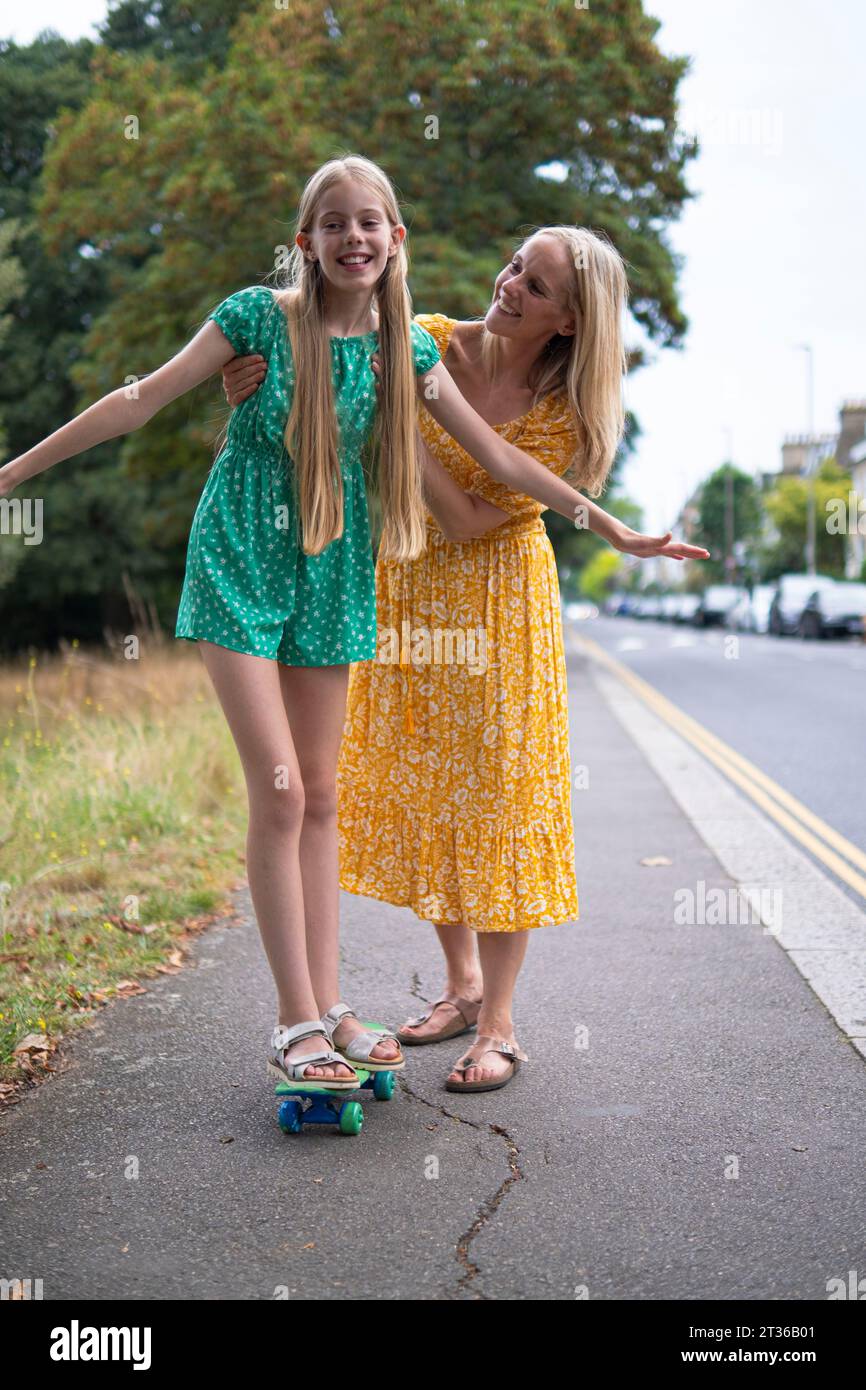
x=787, y=507
x=158, y=170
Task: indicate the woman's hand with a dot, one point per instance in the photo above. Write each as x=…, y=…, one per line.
x=633, y=543
x=242, y=376
x=377, y=372
x=7, y=480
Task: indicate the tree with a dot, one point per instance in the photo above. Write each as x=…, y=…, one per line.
x=601, y=575
x=72, y=581
x=727, y=484
x=787, y=507
x=173, y=192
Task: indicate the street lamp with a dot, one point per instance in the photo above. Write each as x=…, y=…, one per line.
x=730, y=559
x=810, y=461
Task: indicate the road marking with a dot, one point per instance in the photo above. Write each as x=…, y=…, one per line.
x=821, y=930
x=778, y=803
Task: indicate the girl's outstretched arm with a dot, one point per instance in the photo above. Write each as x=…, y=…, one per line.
x=126, y=409
x=438, y=393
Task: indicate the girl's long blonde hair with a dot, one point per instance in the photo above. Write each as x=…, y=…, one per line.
x=311, y=431
x=589, y=367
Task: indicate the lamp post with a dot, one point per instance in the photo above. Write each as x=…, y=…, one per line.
x=810, y=457
x=730, y=559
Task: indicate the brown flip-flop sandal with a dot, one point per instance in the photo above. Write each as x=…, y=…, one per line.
x=467, y=1008
x=508, y=1049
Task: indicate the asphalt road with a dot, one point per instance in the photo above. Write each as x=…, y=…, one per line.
x=690, y=1124
x=794, y=708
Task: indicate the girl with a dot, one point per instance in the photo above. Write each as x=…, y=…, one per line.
x=454, y=788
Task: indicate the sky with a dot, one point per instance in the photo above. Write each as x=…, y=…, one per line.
x=772, y=245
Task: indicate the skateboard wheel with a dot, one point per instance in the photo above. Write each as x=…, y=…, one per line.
x=290, y=1117
x=351, y=1118
x=383, y=1085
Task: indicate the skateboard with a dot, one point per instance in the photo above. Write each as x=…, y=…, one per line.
x=323, y=1107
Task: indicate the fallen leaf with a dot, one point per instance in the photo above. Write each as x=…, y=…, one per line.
x=34, y=1042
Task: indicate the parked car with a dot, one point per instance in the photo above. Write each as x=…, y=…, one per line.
x=578, y=610
x=715, y=604
x=670, y=604
x=645, y=606
x=751, y=612
x=793, y=592
x=839, y=611
x=627, y=605
x=687, y=607
x=618, y=603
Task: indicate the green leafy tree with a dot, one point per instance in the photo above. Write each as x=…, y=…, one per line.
x=173, y=192
x=72, y=581
x=787, y=507
x=712, y=517
x=601, y=575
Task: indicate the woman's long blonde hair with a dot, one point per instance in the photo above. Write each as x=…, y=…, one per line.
x=311, y=431
x=589, y=367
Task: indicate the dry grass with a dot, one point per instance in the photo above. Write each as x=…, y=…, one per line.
x=122, y=818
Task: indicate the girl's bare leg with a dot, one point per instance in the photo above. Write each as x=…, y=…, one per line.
x=315, y=702
x=501, y=956
x=463, y=976
x=248, y=688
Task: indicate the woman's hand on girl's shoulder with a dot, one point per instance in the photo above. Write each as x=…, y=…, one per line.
x=7, y=482
x=242, y=376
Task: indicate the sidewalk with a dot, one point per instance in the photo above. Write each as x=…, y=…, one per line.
x=599, y=1172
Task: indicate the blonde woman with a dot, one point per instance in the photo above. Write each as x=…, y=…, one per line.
x=454, y=779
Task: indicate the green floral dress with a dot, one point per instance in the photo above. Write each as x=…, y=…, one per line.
x=248, y=584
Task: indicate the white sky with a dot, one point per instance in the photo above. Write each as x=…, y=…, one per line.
x=773, y=245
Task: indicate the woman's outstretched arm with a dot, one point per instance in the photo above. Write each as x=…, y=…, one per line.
x=520, y=472
x=126, y=409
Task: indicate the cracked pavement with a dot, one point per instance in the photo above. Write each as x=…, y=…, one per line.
x=153, y=1167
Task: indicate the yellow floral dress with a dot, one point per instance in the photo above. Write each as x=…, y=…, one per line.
x=454, y=775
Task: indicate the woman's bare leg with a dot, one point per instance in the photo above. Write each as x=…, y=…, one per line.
x=315, y=702
x=501, y=956
x=463, y=976
x=248, y=688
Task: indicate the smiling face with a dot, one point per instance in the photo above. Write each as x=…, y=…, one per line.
x=352, y=237
x=534, y=286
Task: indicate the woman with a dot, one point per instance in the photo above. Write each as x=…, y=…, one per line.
x=453, y=780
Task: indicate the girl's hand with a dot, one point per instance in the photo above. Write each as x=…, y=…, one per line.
x=633, y=543
x=242, y=376
x=377, y=372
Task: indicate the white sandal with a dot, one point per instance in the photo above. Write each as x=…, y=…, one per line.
x=291, y=1071
x=358, y=1050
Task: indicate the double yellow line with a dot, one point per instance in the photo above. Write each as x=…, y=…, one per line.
x=802, y=824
